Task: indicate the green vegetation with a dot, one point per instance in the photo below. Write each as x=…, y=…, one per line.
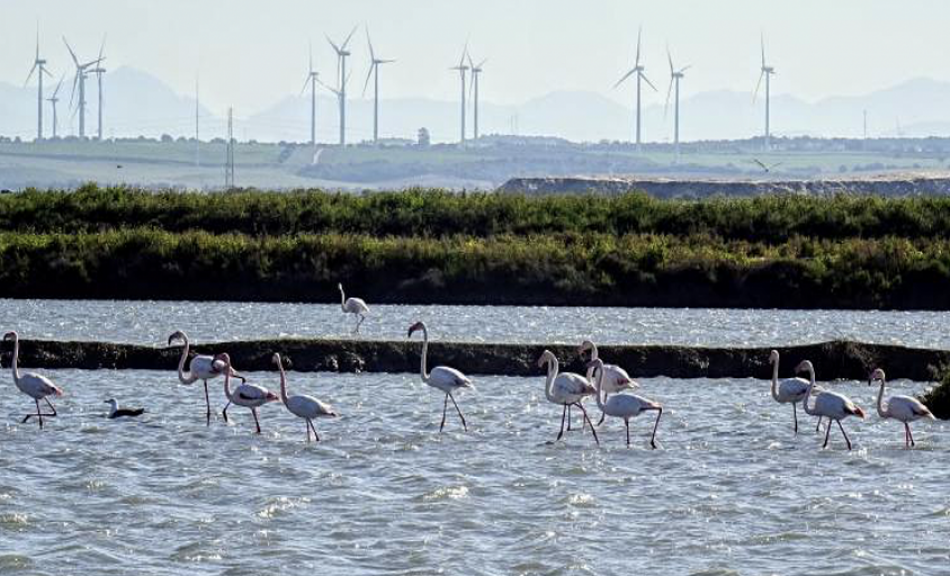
x=938, y=399
x=431, y=246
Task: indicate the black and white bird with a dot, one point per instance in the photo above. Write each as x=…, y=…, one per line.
x=116, y=412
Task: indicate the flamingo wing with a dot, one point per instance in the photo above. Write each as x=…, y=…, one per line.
x=447, y=378
x=569, y=385
x=206, y=367
x=356, y=306
x=38, y=386
x=792, y=389
x=906, y=408
x=617, y=379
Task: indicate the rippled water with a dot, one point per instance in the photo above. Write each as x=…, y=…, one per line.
x=152, y=322
x=730, y=491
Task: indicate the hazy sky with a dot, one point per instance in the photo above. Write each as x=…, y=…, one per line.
x=253, y=53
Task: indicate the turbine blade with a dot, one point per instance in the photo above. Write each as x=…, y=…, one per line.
x=368, y=76
x=71, y=53
x=759, y=162
x=348, y=38
x=625, y=76
x=471, y=63
x=72, y=95
x=647, y=80
x=639, y=36
x=482, y=63
x=311, y=56
x=37, y=39
x=757, y=86
x=372, y=54
x=670, y=56
x=30, y=75
x=669, y=93
x=305, y=82
x=102, y=47
x=335, y=47
x=762, y=40
x=685, y=68
x=464, y=54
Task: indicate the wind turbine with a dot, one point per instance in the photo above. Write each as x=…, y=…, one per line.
x=39, y=64
x=638, y=70
x=766, y=72
x=80, y=81
x=476, y=70
x=375, y=63
x=462, y=69
x=675, y=77
x=53, y=100
x=342, y=53
x=312, y=79
x=99, y=71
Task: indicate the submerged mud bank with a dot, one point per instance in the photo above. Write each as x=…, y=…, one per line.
x=832, y=360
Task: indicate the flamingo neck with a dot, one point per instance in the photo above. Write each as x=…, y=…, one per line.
x=16, y=357
x=775, y=379
x=283, y=382
x=553, y=367
x=594, y=355
x=189, y=378
x=599, y=383
x=811, y=384
x=342, y=299
x=881, y=410
x=425, y=352
x=227, y=381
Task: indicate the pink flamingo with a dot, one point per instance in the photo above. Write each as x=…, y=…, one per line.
x=904, y=409
x=36, y=386
x=247, y=395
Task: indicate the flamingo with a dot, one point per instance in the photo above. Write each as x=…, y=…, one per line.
x=624, y=406
x=441, y=378
x=247, y=395
x=616, y=378
x=832, y=405
x=202, y=368
x=903, y=408
x=36, y=386
x=788, y=391
x=567, y=389
x=354, y=306
x=303, y=406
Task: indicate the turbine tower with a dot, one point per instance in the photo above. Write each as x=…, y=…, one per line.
x=53, y=100
x=638, y=70
x=675, y=77
x=99, y=71
x=342, y=53
x=80, y=80
x=375, y=63
x=312, y=79
x=39, y=66
x=766, y=72
x=476, y=70
x=462, y=70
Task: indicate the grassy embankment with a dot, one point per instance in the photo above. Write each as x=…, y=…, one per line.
x=427, y=246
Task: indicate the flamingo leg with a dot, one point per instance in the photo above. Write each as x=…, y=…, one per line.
x=795, y=415
x=225, y=411
x=910, y=434
x=626, y=423
x=207, y=404
x=257, y=422
x=563, y=415
x=315, y=435
x=445, y=407
x=655, y=426
x=568, y=417
x=843, y=433
x=589, y=423
x=827, y=433
x=603, y=415
x=39, y=414
x=818, y=426
x=51, y=407
x=464, y=425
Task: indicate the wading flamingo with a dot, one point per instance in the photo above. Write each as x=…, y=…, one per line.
x=905, y=409
x=566, y=389
x=831, y=405
x=616, y=378
x=788, y=391
x=202, y=368
x=354, y=306
x=624, y=406
x=441, y=378
x=36, y=386
x=302, y=406
x=247, y=395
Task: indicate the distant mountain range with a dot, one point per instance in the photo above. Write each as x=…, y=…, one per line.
x=137, y=103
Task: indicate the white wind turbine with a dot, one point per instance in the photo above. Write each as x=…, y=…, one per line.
x=675, y=77
x=477, y=69
x=79, y=80
x=39, y=66
x=638, y=70
x=312, y=80
x=462, y=70
x=342, y=54
x=53, y=100
x=766, y=72
x=375, y=63
x=99, y=71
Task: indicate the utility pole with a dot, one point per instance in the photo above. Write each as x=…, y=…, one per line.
x=229, y=163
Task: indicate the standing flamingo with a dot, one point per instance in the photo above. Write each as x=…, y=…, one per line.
x=36, y=386
x=566, y=389
x=624, y=406
x=202, y=368
x=616, y=378
x=831, y=405
x=441, y=378
x=354, y=306
x=788, y=391
x=302, y=406
x=903, y=408
x=247, y=395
